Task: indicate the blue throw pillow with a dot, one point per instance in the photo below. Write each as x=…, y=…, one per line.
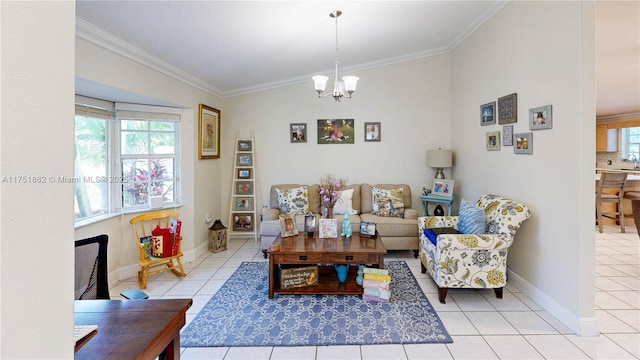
x=471, y=219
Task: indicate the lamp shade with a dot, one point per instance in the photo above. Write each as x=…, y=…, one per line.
x=440, y=158
x=320, y=82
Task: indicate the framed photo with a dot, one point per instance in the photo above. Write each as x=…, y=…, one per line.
x=244, y=174
x=298, y=133
x=368, y=229
x=243, y=203
x=242, y=222
x=335, y=131
x=245, y=145
x=488, y=113
x=507, y=135
x=288, y=225
x=209, y=133
x=328, y=228
x=442, y=187
x=244, y=160
x=372, y=131
x=524, y=143
x=493, y=140
x=508, y=109
x=540, y=118
x=310, y=223
x=244, y=188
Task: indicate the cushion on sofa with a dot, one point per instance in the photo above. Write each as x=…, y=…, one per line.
x=365, y=193
x=293, y=200
x=471, y=219
x=377, y=193
x=344, y=203
x=390, y=207
x=312, y=190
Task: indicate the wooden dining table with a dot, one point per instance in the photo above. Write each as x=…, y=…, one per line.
x=131, y=329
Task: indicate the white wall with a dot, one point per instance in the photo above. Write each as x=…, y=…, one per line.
x=409, y=99
x=200, y=178
x=36, y=251
x=542, y=52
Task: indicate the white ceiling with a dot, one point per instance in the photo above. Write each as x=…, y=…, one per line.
x=234, y=47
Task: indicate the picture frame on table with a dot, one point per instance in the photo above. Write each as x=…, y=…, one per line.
x=540, y=118
x=208, y=133
x=244, y=188
x=244, y=160
x=488, y=114
x=372, y=131
x=508, y=109
x=298, y=132
x=336, y=131
x=288, y=225
x=367, y=229
x=310, y=224
x=244, y=174
x=245, y=145
x=523, y=143
x=507, y=135
x=243, y=204
x=328, y=228
x=442, y=187
x=242, y=222
x=493, y=140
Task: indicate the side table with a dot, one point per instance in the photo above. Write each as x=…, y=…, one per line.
x=436, y=199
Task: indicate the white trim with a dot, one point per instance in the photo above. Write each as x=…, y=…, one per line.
x=580, y=326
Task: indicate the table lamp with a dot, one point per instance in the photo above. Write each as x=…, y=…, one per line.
x=439, y=159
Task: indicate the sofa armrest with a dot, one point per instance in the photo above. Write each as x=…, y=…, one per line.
x=271, y=214
x=410, y=214
x=426, y=222
x=491, y=242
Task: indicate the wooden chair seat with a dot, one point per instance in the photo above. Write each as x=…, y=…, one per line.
x=142, y=226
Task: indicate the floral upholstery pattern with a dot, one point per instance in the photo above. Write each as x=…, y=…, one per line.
x=467, y=260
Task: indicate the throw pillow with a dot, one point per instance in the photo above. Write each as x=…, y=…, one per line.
x=390, y=207
x=388, y=193
x=471, y=219
x=293, y=201
x=344, y=203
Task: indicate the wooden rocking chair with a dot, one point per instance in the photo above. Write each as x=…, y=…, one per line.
x=142, y=226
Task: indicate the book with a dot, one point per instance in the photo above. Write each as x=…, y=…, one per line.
x=374, y=298
x=146, y=243
x=377, y=277
x=369, y=270
x=384, y=294
x=375, y=284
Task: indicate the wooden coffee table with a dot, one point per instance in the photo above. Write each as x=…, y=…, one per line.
x=305, y=250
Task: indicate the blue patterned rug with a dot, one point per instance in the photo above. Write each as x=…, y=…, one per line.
x=240, y=314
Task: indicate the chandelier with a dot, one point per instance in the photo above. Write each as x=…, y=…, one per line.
x=340, y=88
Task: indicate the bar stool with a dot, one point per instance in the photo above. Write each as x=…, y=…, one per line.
x=614, y=183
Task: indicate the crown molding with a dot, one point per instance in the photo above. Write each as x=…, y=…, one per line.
x=97, y=36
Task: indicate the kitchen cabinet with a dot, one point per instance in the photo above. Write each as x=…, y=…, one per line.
x=606, y=139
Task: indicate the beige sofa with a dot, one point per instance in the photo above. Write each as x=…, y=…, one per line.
x=396, y=233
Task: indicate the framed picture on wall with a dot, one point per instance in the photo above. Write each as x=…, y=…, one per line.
x=243, y=203
x=488, y=113
x=540, y=118
x=507, y=135
x=508, y=109
x=298, y=132
x=372, y=131
x=493, y=140
x=242, y=222
x=209, y=133
x=245, y=145
x=336, y=131
x=524, y=143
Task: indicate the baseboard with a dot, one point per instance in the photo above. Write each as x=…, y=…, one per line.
x=131, y=271
x=580, y=326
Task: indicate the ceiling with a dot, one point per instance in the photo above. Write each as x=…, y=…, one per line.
x=229, y=48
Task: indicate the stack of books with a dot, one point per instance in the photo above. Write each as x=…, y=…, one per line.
x=376, y=285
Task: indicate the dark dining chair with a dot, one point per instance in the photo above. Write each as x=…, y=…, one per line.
x=91, y=277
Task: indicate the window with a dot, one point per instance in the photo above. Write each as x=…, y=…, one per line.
x=631, y=143
x=124, y=155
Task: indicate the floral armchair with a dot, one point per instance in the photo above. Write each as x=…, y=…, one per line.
x=472, y=261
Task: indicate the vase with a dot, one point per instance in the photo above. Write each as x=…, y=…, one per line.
x=327, y=213
x=342, y=270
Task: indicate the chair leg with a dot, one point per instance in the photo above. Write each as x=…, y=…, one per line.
x=599, y=215
x=416, y=253
x=442, y=294
x=498, y=292
x=621, y=216
x=143, y=276
x=423, y=269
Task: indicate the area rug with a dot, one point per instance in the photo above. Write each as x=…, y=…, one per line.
x=241, y=314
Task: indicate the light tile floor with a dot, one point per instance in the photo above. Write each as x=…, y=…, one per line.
x=482, y=327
